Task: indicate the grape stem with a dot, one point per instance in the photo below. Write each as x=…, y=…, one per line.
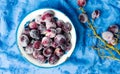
x=100, y=38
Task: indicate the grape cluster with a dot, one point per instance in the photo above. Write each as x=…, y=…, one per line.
x=46, y=38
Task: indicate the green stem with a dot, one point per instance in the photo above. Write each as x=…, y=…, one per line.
x=83, y=11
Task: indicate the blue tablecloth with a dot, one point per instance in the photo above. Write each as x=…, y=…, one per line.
x=84, y=60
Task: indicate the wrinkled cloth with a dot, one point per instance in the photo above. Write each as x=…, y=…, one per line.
x=84, y=59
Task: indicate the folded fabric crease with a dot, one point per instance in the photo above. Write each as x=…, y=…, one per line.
x=84, y=60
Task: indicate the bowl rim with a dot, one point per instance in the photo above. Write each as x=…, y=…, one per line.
x=75, y=37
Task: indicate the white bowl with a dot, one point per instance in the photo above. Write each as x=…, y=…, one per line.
x=31, y=16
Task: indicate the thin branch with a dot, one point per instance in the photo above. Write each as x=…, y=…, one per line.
x=97, y=36
x=106, y=45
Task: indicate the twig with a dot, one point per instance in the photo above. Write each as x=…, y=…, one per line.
x=100, y=38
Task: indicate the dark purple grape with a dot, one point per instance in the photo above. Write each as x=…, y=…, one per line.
x=35, y=54
x=95, y=14
x=26, y=31
x=54, y=44
x=107, y=36
x=51, y=33
x=60, y=23
x=50, y=24
x=67, y=27
x=38, y=19
x=83, y=18
x=34, y=34
x=113, y=28
x=41, y=58
x=63, y=47
x=58, y=30
x=68, y=36
x=60, y=39
x=55, y=19
x=46, y=41
x=53, y=59
x=68, y=46
x=29, y=49
x=33, y=25
x=47, y=14
x=37, y=45
x=24, y=40
x=50, y=12
x=47, y=52
x=59, y=52
x=42, y=28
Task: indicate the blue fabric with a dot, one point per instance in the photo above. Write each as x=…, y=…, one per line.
x=84, y=60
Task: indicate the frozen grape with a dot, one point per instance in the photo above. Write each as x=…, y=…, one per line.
x=47, y=52
x=35, y=54
x=29, y=49
x=67, y=27
x=95, y=14
x=63, y=46
x=46, y=41
x=47, y=14
x=33, y=25
x=58, y=30
x=50, y=12
x=34, y=34
x=53, y=59
x=113, y=28
x=83, y=18
x=55, y=19
x=37, y=45
x=68, y=46
x=38, y=19
x=42, y=28
x=50, y=25
x=81, y=3
x=54, y=44
x=60, y=39
x=51, y=33
x=24, y=40
x=68, y=36
x=59, y=52
x=41, y=58
x=26, y=31
x=108, y=36
x=60, y=23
